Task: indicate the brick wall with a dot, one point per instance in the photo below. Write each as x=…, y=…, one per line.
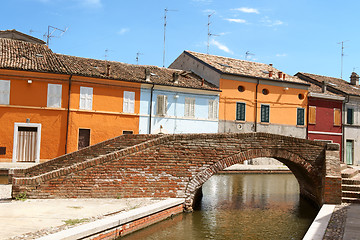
x=174, y=166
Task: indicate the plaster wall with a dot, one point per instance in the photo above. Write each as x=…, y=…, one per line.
x=352, y=131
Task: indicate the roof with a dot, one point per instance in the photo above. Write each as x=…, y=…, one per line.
x=20, y=55
x=13, y=34
x=225, y=65
x=333, y=84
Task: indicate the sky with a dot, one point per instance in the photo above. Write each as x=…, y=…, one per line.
x=293, y=35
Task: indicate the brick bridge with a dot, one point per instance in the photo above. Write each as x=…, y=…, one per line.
x=177, y=166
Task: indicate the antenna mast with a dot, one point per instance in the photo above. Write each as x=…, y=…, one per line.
x=342, y=56
x=248, y=53
x=209, y=33
x=50, y=34
x=137, y=57
x=165, y=22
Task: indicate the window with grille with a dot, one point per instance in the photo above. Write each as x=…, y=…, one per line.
x=86, y=98
x=265, y=113
x=300, y=117
x=5, y=92
x=161, y=105
x=54, y=95
x=189, y=107
x=129, y=102
x=240, y=111
x=213, y=109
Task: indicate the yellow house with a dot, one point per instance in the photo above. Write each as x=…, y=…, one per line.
x=255, y=97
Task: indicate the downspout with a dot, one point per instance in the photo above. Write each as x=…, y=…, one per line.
x=307, y=118
x=68, y=116
x=347, y=99
x=151, y=97
x=256, y=104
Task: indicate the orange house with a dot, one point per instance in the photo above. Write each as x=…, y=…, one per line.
x=255, y=97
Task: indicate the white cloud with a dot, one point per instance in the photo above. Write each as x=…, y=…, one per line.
x=221, y=46
x=91, y=3
x=271, y=23
x=246, y=10
x=281, y=55
x=123, y=31
x=236, y=20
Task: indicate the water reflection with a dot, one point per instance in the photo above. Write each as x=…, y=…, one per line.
x=237, y=206
x=4, y=180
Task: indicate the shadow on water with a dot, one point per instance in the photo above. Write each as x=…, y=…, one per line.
x=241, y=206
x=4, y=179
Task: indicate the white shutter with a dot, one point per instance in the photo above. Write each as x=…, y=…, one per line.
x=54, y=95
x=4, y=92
x=129, y=102
x=86, y=98
x=161, y=106
x=213, y=109
x=189, y=107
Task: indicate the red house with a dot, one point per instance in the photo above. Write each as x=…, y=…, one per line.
x=325, y=112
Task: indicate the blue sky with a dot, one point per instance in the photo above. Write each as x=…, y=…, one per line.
x=296, y=36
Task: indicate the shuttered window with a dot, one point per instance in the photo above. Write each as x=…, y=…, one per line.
x=189, y=107
x=312, y=115
x=300, y=117
x=213, y=109
x=350, y=116
x=337, y=117
x=86, y=98
x=265, y=113
x=161, y=106
x=5, y=92
x=54, y=95
x=240, y=111
x=129, y=102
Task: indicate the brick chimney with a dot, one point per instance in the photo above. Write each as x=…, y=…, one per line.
x=280, y=75
x=270, y=73
x=176, y=77
x=107, y=73
x=354, y=79
x=323, y=86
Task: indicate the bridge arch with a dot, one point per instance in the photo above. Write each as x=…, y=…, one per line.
x=307, y=175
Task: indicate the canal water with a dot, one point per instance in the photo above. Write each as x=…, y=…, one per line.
x=240, y=206
x=4, y=179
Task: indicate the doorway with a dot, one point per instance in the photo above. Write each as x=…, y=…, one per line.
x=349, y=152
x=84, y=138
x=26, y=142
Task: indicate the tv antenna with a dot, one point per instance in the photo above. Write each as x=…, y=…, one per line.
x=247, y=54
x=342, y=56
x=209, y=33
x=354, y=68
x=165, y=23
x=106, y=55
x=51, y=33
x=137, y=57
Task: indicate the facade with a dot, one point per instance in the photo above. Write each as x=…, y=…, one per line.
x=53, y=104
x=350, y=116
x=254, y=97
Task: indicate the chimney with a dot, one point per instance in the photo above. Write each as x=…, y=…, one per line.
x=284, y=76
x=176, y=77
x=354, y=79
x=147, y=75
x=270, y=64
x=280, y=74
x=323, y=86
x=270, y=73
x=202, y=82
x=107, y=73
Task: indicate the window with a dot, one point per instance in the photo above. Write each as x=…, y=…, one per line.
x=161, y=106
x=127, y=132
x=350, y=116
x=86, y=98
x=312, y=115
x=265, y=113
x=337, y=117
x=54, y=95
x=189, y=107
x=129, y=102
x=300, y=117
x=240, y=111
x=241, y=88
x=213, y=109
x=84, y=138
x=265, y=91
x=4, y=92
x=301, y=96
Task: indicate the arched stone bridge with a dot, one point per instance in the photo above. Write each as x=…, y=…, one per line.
x=177, y=165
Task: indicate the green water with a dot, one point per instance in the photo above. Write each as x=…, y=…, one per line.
x=240, y=206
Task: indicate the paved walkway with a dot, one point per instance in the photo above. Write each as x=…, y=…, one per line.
x=352, y=225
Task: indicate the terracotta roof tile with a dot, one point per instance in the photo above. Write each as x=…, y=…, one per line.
x=227, y=65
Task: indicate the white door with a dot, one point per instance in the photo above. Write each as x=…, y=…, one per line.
x=27, y=138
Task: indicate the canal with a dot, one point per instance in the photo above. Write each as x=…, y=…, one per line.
x=240, y=206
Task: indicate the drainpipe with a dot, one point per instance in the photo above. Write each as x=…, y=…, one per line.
x=347, y=99
x=151, y=97
x=68, y=116
x=256, y=104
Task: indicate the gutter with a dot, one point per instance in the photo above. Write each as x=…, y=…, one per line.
x=151, y=97
x=68, y=117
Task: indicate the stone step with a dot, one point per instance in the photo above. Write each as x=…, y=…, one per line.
x=349, y=173
x=354, y=188
x=350, y=200
x=343, y=166
x=351, y=181
x=351, y=194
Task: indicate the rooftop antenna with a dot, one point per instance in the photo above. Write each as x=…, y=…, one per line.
x=165, y=22
x=106, y=55
x=354, y=68
x=248, y=53
x=137, y=57
x=342, y=56
x=53, y=30
x=209, y=33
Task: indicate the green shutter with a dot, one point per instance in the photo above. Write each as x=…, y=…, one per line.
x=240, y=111
x=350, y=116
x=265, y=113
x=300, y=117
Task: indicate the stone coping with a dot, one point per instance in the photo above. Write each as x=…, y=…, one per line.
x=320, y=223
